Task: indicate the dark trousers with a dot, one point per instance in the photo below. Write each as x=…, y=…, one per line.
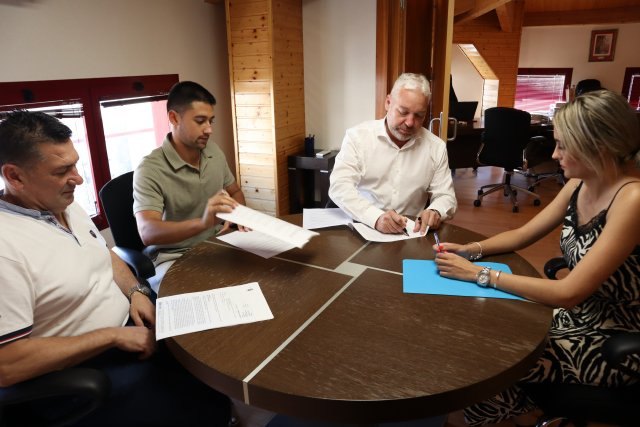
x=155, y=392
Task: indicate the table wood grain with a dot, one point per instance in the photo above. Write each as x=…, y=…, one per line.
x=356, y=349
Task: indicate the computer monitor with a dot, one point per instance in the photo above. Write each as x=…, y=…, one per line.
x=465, y=111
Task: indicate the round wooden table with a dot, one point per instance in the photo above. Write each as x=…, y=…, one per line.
x=346, y=344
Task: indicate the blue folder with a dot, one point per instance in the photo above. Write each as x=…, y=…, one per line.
x=422, y=277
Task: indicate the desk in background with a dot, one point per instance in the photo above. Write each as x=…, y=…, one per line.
x=346, y=344
x=307, y=176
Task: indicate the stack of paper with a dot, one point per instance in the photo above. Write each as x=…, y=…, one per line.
x=269, y=236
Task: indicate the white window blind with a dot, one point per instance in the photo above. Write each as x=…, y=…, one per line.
x=536, y=93
x=634, y=92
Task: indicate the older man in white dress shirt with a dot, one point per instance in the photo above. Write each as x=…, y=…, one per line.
x=391, y=168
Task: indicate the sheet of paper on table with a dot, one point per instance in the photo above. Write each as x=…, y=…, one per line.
x=269, y=225
x=216, y=308
x=321, y=218
x=257, y=243
x=376, y=236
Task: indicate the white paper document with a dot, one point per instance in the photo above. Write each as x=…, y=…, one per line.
x=321, y=218
x=257, y=243
x=269, y=225
x=376, y=236
x=216, y=308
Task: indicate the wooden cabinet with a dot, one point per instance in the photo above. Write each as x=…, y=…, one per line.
x=266, y=69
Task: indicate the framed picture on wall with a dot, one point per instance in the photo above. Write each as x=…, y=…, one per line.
x=603, y=45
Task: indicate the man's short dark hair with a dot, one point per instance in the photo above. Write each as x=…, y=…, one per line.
x=21, y=131
x=182, y=94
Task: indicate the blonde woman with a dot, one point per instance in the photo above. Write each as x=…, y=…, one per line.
x=597, y=144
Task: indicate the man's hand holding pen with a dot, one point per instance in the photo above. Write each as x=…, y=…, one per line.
x=392, y=222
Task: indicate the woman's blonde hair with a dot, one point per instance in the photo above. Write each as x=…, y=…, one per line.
x=599, y=127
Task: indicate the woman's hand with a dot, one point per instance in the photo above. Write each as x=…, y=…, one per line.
x=467, y=251
x=454, y=266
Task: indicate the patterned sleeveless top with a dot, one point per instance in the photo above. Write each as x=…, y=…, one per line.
x=616, y=304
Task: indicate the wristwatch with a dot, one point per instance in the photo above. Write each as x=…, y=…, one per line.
x=143, y=289
x=483, y=277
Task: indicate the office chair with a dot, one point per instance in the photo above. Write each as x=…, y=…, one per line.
x=538, y=163
x=117, y=200
x=505, y=136
x=18, y=403
x=582, y=404
x=587, y=85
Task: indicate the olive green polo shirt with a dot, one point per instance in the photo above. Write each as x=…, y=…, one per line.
x=165, y=183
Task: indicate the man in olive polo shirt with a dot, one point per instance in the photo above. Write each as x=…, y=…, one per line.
x=179, y=187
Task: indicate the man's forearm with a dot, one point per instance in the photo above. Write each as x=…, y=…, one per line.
x=238, y=196
x=122, y=275
x=30, y=357
x=159, y=232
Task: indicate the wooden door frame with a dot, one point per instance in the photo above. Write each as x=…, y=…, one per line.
x=419, y=23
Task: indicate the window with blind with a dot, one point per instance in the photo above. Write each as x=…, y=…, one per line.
x=631, y=86
x=115, y=122
x=538, y=89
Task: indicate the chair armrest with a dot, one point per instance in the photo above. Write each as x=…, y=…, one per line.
x=90, y=385
x=137, y=261
x=554, y=265
x=617, y=348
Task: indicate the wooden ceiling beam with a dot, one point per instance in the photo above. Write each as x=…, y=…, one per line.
x=480, y=8
x=462, y=6
x=510, y=16
x=619, y=15
x=506, y=16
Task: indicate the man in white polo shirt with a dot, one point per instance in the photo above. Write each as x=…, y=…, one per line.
x=68, y=300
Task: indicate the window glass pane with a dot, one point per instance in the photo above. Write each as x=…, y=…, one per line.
x=538, y=94
x=132, y=130
x=71, y=114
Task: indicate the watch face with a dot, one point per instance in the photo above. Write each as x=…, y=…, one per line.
x=144, y=290
x=484, y=277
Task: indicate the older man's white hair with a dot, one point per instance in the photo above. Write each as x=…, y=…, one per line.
x=411, y=81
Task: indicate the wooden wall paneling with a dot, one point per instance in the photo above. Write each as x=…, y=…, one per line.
x=250, y=8
x=262, y=111
x=500, y=49
x=288, y=88
x=266, y=68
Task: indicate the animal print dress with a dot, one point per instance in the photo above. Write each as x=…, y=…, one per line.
x=573, y=351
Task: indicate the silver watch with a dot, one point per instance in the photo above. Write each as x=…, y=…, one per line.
x=143, y=289
x=483, y=277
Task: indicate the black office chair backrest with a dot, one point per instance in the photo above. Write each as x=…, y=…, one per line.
x=587, y=85
x=117, y=201
x=506, y=134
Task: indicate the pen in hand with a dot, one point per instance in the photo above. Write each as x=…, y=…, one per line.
x=435, y=235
